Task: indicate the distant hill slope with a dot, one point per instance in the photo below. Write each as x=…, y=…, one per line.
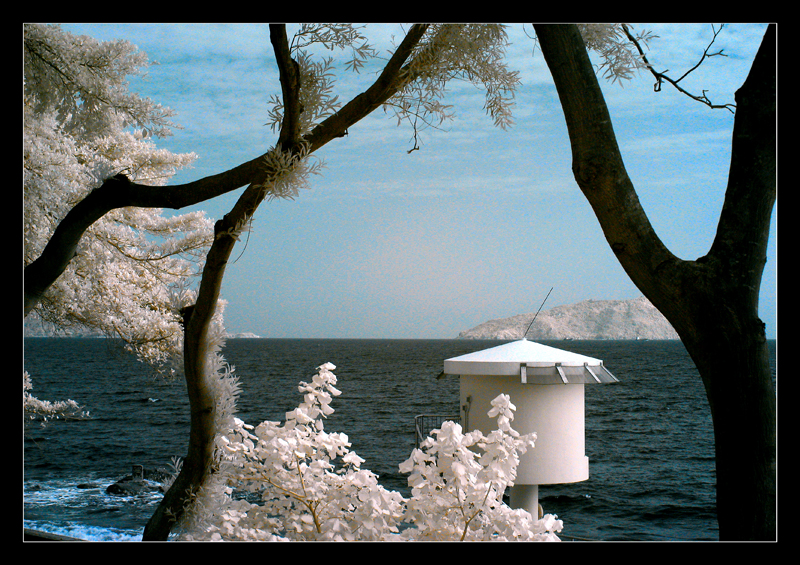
x=590, y=319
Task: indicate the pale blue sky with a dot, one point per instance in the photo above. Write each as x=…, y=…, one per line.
x=479, y=223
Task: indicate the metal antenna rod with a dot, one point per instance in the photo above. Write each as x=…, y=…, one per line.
x=537, y=313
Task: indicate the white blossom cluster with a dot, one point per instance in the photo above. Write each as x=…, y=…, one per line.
x=296, y=481
x=288, y=173
x=457, y=490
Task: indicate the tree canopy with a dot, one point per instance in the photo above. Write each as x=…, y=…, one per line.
x=99, y=253
x=127, y=275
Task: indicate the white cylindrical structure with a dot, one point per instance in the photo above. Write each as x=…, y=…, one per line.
x=547, y=387
x=527, y=498
x=554, y=412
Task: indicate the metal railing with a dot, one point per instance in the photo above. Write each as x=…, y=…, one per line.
x=425, y=423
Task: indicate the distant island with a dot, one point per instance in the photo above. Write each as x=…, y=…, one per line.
x=590, y=319
x=247, y=335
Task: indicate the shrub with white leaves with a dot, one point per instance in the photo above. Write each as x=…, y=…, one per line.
x=458, y=481
x=297, y=481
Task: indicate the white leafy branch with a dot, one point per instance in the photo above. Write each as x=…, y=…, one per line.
x=469, y=52
x=309, y=485
x=317, y=77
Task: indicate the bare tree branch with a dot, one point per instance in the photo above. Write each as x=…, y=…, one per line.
x=290, y=86
x=661, y=77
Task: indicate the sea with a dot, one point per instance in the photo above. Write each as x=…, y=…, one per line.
x=649, y=438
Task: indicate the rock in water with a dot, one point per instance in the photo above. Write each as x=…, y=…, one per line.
x=590, y=319
x=140, y=481
x=131, y=487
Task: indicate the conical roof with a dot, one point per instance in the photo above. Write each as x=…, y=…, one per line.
x=534, y=362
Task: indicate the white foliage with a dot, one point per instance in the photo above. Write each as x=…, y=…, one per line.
x=457, y=490
x=470, y=52
x=335, y=36
x=288, y=173
x=81, y=78
x=45, y=410
x=620, y=58
x=296, y=481
x=317, y=77
x=81, y=126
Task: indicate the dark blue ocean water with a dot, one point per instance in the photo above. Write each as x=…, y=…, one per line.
x=649, y=438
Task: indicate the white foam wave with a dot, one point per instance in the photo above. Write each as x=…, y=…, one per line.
x=84, y=532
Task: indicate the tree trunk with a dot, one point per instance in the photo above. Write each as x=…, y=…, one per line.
x=202, y=402
x=712, y=302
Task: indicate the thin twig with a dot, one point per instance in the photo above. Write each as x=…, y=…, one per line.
x=660, y=77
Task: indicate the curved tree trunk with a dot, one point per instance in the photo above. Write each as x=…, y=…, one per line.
x=202, y=400
x=712, y=302
x=119, y=192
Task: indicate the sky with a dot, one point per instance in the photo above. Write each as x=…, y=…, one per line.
x=479, y=223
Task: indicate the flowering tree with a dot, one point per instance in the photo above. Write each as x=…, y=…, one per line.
x=125, y=274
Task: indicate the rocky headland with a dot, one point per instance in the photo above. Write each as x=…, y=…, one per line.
x=590, y=319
